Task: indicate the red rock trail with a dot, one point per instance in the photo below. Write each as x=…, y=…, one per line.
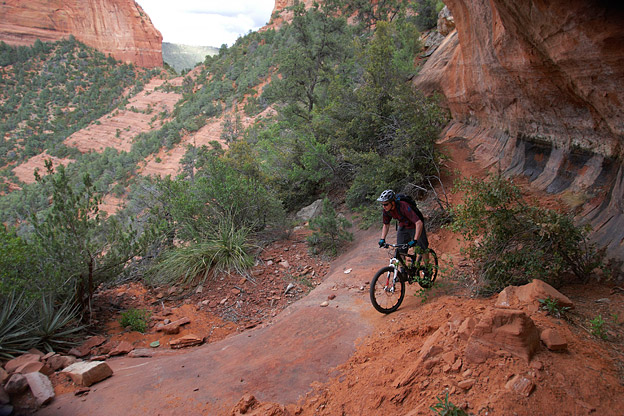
x=275, y=362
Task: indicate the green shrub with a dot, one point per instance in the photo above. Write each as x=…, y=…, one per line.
x=445, y=408
x=224, y=250
x=552, y=307
x=598, y=327
x=135, y=319
x=514, y=242
x=329, y=232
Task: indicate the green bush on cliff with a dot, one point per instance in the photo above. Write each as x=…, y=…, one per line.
x=514, y=242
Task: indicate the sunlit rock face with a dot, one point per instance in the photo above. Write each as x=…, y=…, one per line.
x=116, y=27
x=538, y=89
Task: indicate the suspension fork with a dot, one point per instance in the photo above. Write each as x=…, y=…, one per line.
x=394, y=263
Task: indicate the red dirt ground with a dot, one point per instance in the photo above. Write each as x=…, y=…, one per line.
x=302, y=359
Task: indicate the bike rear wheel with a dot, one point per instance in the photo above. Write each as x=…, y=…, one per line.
x=386, y=294
x=429, y=271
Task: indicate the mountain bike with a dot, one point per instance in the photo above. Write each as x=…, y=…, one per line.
x=387, y=289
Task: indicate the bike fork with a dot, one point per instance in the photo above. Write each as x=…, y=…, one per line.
x=391, y=280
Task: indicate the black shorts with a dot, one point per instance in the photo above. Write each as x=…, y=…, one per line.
x=405, y=235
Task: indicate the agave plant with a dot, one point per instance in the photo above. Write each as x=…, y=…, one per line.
x=15, y=326
x=56, y=327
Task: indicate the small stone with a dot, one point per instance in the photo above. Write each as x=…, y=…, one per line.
x=537, y=365
x=324, y=304
x=141, y=352
x=31, y=367
x=56, y=362
x=16, y=384
x=155, y=344
x=87, y=373
x=457, y=365
x=520, y=385
x=331, y=297
x=4, y=376
x=36, y=352
x=81, y=391
x=86, y=347
x=553, y=340
x=186, y=341
x=348, y=271
x=41, y=387
x=124, y=347
x=19, y=361
x=199, y=289
x=235, y=291
x=466, y=384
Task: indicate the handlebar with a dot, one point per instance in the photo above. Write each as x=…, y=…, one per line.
x=386, y=245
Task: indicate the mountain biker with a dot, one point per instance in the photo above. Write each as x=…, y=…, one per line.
x=411, y=229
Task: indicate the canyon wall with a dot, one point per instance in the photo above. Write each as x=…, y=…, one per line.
x=538, y=89
x=117, y=27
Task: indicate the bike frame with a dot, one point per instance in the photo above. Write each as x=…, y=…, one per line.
x=399, y=260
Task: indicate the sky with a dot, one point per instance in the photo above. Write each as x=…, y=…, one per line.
x=207, y=22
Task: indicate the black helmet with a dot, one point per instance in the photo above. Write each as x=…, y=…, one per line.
x=387, y=195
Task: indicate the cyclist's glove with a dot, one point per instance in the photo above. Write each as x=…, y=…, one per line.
x=412, y=243
x=382, y=242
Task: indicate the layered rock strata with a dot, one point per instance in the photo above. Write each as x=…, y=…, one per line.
x=117, y=27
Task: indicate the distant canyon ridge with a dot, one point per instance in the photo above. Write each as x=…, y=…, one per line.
x=117, y=27
x=536, y=87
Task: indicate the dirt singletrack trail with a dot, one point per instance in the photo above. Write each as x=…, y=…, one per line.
x=275, y=362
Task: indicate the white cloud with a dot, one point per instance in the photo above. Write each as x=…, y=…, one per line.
x=207, y=22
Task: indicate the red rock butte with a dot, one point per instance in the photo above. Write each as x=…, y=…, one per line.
x=117, y=27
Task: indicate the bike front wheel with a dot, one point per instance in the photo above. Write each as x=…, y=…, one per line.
x=386, y=293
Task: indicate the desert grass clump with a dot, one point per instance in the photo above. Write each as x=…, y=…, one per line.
x=225, y=250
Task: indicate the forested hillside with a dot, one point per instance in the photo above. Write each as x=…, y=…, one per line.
x=346, y=125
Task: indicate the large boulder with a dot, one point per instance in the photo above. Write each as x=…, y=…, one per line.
x=530, y=295
x=86, y=373
x=503, y=330
x=311, y=211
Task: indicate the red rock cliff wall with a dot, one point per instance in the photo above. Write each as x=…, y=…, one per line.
x=117, y=27
x=546, y=69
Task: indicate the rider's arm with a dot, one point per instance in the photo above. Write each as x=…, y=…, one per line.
x=419, y=227
x=384, y=231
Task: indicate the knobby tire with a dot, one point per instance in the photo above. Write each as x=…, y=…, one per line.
x=383, y=299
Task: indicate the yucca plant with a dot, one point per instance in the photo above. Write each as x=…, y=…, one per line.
x=56, y=327
x=15, y=329
x=225, y=250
